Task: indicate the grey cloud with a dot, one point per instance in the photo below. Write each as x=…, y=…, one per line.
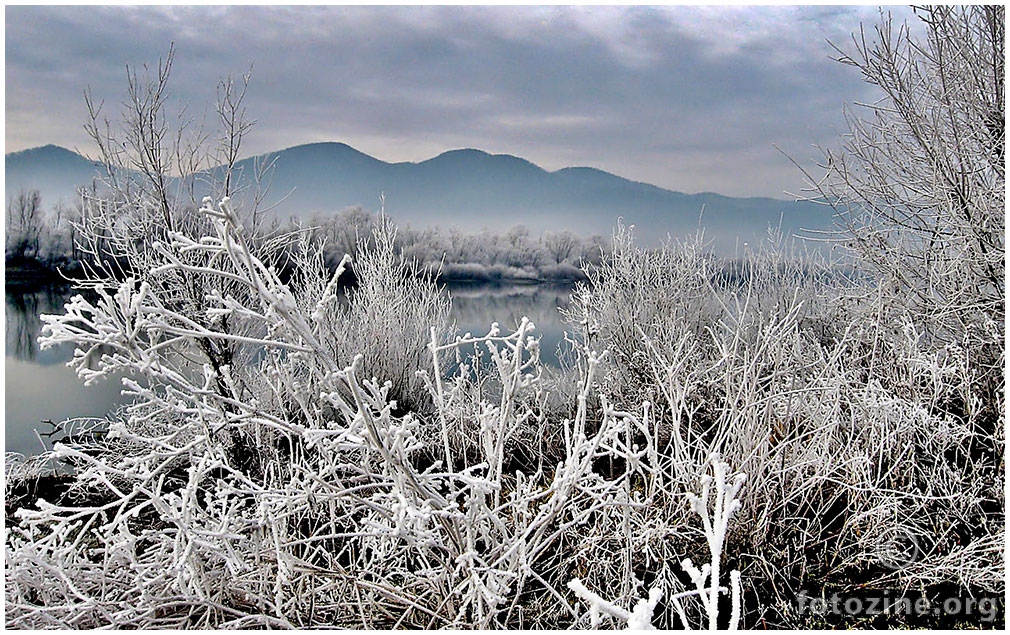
x=683, y=97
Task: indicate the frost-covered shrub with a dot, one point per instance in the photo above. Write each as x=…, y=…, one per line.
x=715, y=515
x=268, y=492
x=635, y=295
x=286, y=491
x=841, y=420
x=388, y=317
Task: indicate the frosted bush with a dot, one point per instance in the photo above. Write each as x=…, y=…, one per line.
x=850, y=424
x=266, y=493
x=662, y=295
x=387, y=318
x=264, y=475
x=715, y=520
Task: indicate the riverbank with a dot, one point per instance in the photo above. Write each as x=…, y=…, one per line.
x=28, y=274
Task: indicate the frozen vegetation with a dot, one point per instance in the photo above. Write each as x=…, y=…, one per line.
x=40, y=243
x=451, y=255
x=298, y=455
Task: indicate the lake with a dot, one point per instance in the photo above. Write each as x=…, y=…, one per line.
x=39, y=386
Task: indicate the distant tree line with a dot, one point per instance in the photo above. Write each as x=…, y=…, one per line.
x=452, y=254
x=38, y=239
x=46, y=240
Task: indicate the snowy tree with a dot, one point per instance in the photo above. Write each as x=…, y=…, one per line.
x=344, y=231
x=25, y=224
x=920, y=178
x=560, y=245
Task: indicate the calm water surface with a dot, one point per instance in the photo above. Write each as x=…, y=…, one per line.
x=39, y=386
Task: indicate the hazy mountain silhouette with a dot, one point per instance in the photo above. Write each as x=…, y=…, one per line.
x=56, y=172
x=467, y=188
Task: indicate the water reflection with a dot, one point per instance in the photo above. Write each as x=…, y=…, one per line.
x=37, y=392
x=23, y=324
x=475, y=307
x=40, y=387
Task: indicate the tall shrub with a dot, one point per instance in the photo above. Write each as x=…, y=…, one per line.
x=919, y=179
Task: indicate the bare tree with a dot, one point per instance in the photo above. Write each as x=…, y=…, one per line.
x=159, y=166
x=142, y=152
x=560, y=245
x=234, y=125
x=920, y=179
x=167, y=162
x=24, y=224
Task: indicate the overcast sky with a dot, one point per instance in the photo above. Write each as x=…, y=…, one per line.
x=687, y=98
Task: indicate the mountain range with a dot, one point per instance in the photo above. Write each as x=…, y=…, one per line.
x=469, y=189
